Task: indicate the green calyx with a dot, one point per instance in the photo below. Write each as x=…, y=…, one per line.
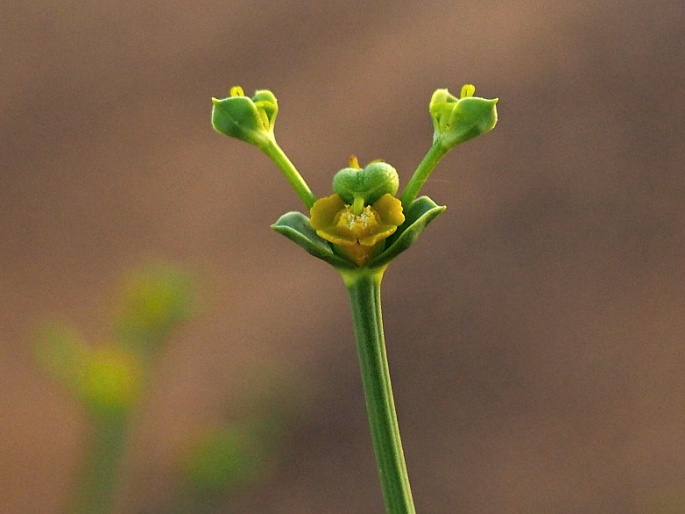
x=359, y=187
x=248, y=119
x=456, y=120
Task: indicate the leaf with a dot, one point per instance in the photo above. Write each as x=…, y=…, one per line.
x=295, y=226
x=421, y=212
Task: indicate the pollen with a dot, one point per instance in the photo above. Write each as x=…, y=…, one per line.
x=358, y=224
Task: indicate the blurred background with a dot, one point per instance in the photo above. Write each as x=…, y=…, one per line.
x=535, y=333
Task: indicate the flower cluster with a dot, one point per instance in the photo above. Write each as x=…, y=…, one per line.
x=363, y=224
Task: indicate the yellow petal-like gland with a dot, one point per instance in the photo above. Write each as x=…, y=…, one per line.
x=359, y=254
x=390, y=209
x=357, y=236
x=325, y=210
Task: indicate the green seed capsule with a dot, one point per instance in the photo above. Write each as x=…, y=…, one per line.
x=360, y=187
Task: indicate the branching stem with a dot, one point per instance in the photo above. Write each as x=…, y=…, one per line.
x=278, y=156
x=423, y=171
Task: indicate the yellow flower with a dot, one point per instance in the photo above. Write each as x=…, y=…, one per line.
x=358, y=237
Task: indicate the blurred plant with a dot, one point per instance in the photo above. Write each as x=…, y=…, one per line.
x=153, y=301
x=108, y=379
x=218, y=463
x=223, y=460
x=359, y=230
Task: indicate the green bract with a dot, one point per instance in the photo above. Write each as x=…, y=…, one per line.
x=457, y=120
x=248, y=119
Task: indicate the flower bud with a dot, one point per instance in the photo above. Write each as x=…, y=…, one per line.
x=457, y=120
x=248, y=119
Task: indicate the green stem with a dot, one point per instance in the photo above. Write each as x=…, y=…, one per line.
x=288, y=169
x=425, y=168
x=100, y=473
x=365, y=297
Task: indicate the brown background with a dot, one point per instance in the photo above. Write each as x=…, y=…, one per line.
x=535, y=332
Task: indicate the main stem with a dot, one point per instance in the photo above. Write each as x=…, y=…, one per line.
x=365, y=297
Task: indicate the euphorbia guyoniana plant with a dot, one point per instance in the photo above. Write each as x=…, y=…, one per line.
x=358, y=230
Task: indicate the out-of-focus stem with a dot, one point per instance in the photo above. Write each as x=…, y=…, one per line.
x=100, y=474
